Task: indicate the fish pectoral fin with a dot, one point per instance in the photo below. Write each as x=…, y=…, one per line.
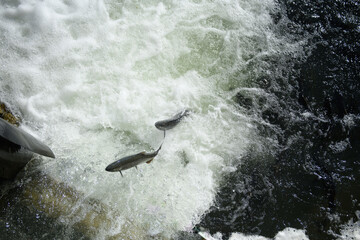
x=149, y=161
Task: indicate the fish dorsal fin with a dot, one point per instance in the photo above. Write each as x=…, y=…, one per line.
x=149, y=161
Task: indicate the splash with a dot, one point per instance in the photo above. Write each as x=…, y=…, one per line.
x=91, y=78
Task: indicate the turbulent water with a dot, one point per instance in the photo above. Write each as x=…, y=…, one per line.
x=90, y=79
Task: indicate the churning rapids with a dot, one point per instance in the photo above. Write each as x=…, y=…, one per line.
x=91, y=77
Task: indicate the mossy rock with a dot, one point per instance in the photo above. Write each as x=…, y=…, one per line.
x=7, y=115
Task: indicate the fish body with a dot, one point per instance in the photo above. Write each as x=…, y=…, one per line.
x=173, y=121
x=132, y=161
x=19, y=137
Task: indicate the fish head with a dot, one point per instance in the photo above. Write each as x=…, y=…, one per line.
x=162, y=125
x=113, y=167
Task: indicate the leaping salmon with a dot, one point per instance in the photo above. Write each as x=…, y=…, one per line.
x=171, y=122
x=136, y=159
x=132, y=161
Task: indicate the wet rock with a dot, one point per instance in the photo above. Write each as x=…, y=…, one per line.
x=43, y=206
x=7, y=115
x=16, y=146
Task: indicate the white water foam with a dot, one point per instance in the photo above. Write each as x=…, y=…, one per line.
x=286, y=234
x=90, y=78
x=351, y=230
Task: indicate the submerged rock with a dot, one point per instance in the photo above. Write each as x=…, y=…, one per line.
x=42, y=206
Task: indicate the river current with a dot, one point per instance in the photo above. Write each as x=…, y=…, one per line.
x=90, y=78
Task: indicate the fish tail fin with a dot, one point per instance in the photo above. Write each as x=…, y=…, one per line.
x=159, y=147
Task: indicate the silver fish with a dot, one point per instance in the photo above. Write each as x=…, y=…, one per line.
x=24, y=139
x=173, y=121
x=132, y=161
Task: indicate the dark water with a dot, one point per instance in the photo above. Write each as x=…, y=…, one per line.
x=311, y=179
